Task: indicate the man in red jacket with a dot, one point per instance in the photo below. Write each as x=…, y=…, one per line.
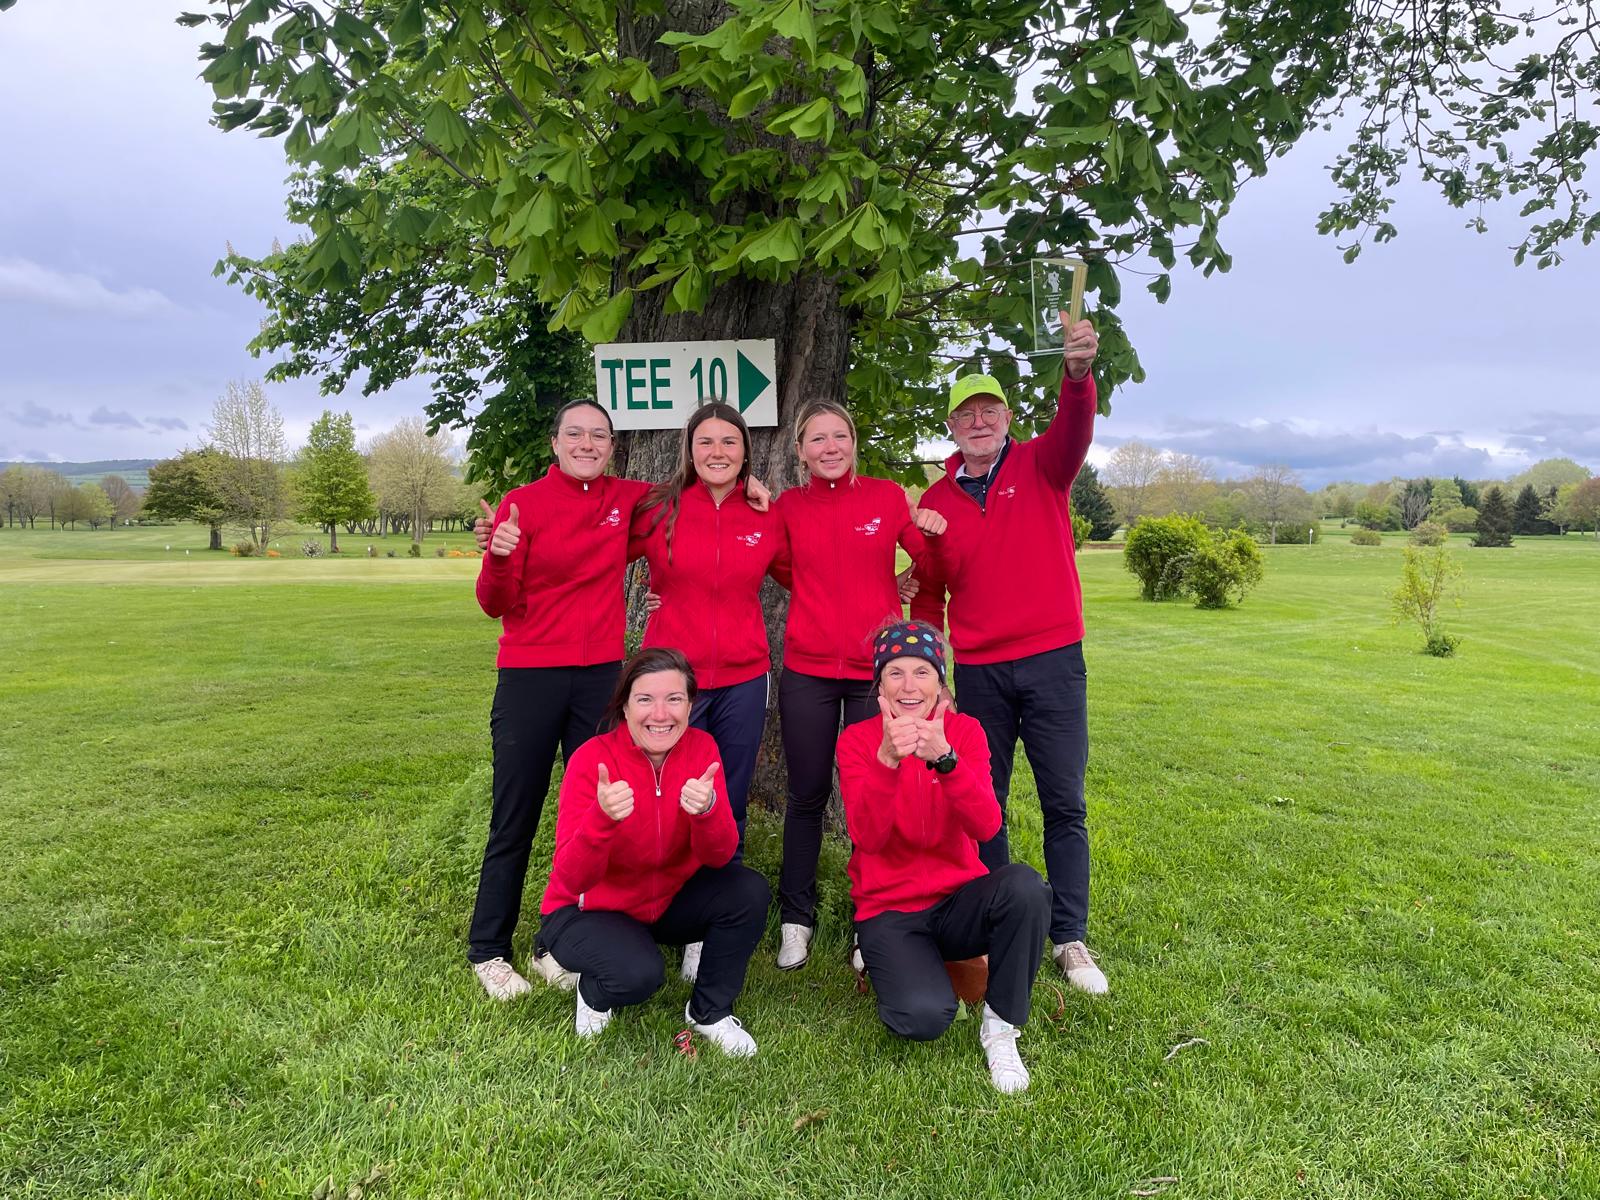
x=1016, y=617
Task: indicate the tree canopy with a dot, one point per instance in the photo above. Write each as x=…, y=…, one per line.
x=864, y=181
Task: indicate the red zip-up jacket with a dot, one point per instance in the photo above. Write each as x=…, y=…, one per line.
x=914, y=832
x=838, y=561
x=1009, y=566
x=710, y=584
x=638, y=864
x=559, y=594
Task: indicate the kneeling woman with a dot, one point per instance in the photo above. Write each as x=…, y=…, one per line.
x=918, y=798
x=644, y=835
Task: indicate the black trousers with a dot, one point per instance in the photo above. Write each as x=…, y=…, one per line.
x=536, y=709
x=734, y=716
x=1044, y=698
x=811, y=712
x=618, y=957
x=1002, y=914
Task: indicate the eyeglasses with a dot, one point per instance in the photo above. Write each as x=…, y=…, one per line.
x=600, y=437
x=966, y=418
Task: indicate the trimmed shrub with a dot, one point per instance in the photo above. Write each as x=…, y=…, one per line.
x=1154, y=544
x=1441, y=645
x=414, y=551
x=389, y=554
x=243, y=550
x=1080, y=530
x=1366, y=537
x=1222, y=571
x=1429, y=533
x=311, y=549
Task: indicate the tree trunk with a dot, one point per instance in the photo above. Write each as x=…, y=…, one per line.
x=333, y=537
x=216, y=538
x=417, y=519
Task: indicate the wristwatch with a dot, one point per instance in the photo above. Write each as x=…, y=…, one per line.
x=945, y=763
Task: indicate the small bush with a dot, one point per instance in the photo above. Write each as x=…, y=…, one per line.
x=1459, y=520
x=243, y=550
x=440, y=552
x=274, y=554
x=1154, y=544
x=1222, y=571
x=1429, y=533
x=389, y=554
x=457, y=554
x=372, y=552
x=1442, y=645
x=311, y=549
x=1366, y=537
x=414, y=551
x=1080, y=530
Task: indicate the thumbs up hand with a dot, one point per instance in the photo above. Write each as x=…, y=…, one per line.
x=506, y=535
x=931, y=742
x=700, y=794
x=899, y=735
x=616, y=799
x=931, y=523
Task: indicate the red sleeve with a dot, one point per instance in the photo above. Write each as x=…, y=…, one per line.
x=870, y=792
x=969, y=789
x=915, y=543
x=781, y=568
x=583, y=831
x=500, y=575
x=928, y=604
x=1065, y=442
x=714, y=834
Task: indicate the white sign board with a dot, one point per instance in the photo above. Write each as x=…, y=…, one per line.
x=656, y=385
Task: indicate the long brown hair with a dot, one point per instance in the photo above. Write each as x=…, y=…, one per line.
x=667, y=497
x=645, y=662
x=817, y=408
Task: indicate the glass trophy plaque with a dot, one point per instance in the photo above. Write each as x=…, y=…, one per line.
x=1057, y=288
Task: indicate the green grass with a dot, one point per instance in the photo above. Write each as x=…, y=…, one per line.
x=242, y=822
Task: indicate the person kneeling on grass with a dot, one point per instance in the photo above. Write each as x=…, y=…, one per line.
x=644, y=839
x=918, y=798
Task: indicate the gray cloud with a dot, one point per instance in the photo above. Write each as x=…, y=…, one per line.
x=36, y=416
x=168, y=423
x=118, y=420
x=1558, y=435
x=32, y=283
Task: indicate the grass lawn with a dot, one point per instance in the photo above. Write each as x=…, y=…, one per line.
x=243, y=819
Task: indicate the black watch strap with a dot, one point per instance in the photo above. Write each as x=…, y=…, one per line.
x=944, y=764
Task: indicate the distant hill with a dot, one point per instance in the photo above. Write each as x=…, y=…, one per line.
x=135, y=470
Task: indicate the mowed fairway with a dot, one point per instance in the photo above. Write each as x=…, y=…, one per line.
x=243, y=802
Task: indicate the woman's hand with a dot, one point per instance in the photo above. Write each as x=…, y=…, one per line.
x=931, y=742
x=755, y=492
x=651, y=603
x=616, y=799
x=899, y=735
x=908, y=585
x=506, y=535
x=700, y=794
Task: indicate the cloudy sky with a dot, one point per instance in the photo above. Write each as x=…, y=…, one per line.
x=1430, y=355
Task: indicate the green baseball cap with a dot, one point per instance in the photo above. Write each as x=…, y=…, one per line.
x=969, y=386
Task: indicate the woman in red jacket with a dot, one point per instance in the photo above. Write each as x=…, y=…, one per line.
x=708, y=552
x=644, y=843
x=841, y=531
x=918, y=798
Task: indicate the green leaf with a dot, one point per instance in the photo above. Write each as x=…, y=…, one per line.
x=747, y=99
x=602, y=324
x=689, y=293
x=793, y=20
x=409, y=23
x=595, y=234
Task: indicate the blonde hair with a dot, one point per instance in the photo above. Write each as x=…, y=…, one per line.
x=820, y=408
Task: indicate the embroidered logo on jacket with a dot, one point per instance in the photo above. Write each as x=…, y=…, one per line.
x=750, y=539
x=613, y=518
x=871, y=527
x=1006, y=493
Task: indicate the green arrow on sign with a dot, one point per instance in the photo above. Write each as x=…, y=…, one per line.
x=751, y=381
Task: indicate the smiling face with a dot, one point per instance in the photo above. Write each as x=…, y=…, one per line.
x=583, y=442
x=658, y=711
x=827, y=447
x=718, y=451
x=979, y=426
x=911, y=686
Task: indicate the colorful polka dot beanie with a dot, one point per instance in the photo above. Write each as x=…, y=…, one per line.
x=908, y=639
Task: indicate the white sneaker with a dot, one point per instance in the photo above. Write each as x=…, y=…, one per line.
x=691, y=961
x=794, y=946
x=500, y=979
x=1078, y=965
x=999, y=1040
x=857, y=963
x=727, y=1035
x=590, y=1022
x=553, y=973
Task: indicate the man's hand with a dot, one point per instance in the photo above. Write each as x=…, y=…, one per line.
x=1080, y=343
x=931, y=742
x=506, y=535
x=616, y=799
x=908, y=585
x=700, y=794
x=899, y=735
x=931, y=523
x=483, y=525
